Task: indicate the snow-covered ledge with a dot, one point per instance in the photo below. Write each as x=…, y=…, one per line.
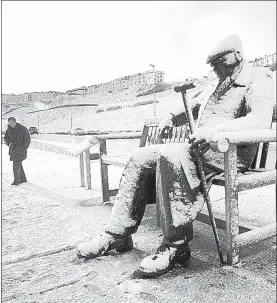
x=78, y=148
x=221, y=140
x=86, y=144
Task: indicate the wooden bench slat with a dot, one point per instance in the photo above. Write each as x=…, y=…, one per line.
x=251, y=179
x=113, y=162
x=219, y=181
x=256, y=235
x=113, y=192
x=256, y=179
x=220, y=223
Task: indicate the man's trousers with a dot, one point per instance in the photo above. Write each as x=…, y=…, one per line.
x=18, y=172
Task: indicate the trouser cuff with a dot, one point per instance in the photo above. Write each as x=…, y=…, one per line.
x=179, y=233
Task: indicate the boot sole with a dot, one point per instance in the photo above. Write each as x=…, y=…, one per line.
x=157, y=273
x=182, y=260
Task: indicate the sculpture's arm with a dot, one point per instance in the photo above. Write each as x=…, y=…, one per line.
x=260, y=102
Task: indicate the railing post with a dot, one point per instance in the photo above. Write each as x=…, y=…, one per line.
x=82, y=172
x=231, y=204
x=88, y=174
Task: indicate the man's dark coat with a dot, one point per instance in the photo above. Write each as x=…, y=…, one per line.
x=21, y=137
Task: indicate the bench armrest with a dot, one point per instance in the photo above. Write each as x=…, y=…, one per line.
x=221, y=140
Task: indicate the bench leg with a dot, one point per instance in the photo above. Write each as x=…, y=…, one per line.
x=88, y=173
x=231, y=204
x=104, y=171
x=105, y=182
x=82, y=171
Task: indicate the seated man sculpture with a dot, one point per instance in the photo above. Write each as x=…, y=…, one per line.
x=243, y=99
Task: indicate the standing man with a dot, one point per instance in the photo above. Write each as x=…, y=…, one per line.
x=18, y=139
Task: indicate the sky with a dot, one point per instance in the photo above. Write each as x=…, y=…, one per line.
x=60, y=45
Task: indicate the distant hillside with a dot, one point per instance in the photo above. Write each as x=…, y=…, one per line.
x=122, y=111
x=114, y=112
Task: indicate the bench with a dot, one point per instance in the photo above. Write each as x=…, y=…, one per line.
x=237, y=235
x=148, y=136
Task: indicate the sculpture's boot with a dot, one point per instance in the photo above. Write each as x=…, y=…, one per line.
x=104, y=243
x=165, y=259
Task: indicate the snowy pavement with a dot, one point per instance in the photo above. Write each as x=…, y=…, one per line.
x=44, y=219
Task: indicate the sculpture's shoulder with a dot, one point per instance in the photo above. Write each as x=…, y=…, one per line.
x=250, y=74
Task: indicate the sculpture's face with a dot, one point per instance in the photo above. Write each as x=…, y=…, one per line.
x=223, y=66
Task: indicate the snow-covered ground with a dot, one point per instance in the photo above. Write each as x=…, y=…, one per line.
x=45, y=218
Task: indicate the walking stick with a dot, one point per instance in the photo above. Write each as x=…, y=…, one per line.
x=199, y=164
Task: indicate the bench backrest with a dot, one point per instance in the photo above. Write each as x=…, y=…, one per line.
x=262, y=151
x=261, y=156
x=150, y=133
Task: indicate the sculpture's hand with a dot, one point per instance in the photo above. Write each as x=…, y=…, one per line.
x=203, y=133
x=201, y=139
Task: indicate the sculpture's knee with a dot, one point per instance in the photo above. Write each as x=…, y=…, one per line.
x=135, y=153
x=144, y=156
x=173, y=153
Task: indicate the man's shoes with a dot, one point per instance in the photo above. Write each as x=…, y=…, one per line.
x=164, y=260
x=15, y=183
x=22, y=181
x=104, y=243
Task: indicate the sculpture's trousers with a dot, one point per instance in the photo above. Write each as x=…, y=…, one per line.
x=169, y=171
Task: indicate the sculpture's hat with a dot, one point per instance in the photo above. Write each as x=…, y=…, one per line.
x=228, y=45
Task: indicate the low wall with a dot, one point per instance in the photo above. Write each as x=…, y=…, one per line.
x=50, y=147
